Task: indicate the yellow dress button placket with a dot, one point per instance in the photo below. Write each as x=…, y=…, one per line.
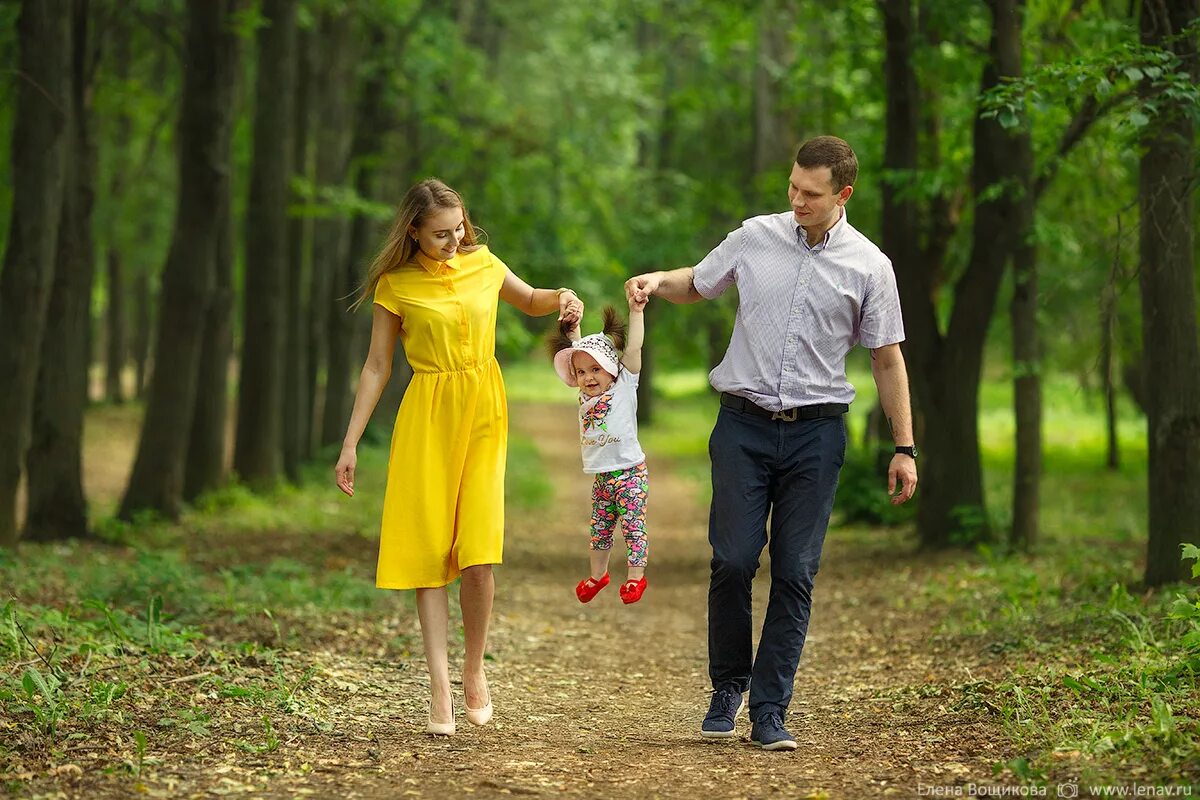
x=463, y=326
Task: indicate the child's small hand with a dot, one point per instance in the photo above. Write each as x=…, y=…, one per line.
x=638, y=305
x=570, y=307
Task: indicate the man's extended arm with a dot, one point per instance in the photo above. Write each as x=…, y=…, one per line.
x=675, y=286
x=891, y=379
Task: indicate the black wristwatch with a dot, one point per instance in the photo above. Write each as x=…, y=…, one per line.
x=911, y=452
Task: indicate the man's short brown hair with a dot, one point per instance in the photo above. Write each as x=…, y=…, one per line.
x=832, y=152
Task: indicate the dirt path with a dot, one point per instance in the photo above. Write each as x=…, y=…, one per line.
x=605, y=700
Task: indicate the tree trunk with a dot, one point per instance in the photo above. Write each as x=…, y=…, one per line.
x=295, y=401
x=1167, y=279
x=188, y=277
x=901, y=214
x=773, y=136
x=373, y=123
x=208, y=443
x=1027, y=393
x=900, y=218
x=1023, y=312
x=335, y=111
x=116, y=316
x=945, y=371
x=258, y=451
x=952, y=510
x=143, y=325
x=996, y=163
x=116, y=339
x=38, y=152
x=655, y=155
x=57, y=508
x=1108, y=371
x=338, y=394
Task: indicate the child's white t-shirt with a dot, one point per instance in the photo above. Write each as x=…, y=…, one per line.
x=608, y=427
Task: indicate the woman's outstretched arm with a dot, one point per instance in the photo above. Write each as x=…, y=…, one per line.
x=385, y=327
x=540, y=302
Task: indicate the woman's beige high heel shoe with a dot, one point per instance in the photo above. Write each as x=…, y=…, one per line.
x=439, y=728
x=480, y=716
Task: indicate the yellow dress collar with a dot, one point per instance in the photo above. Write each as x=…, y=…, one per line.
x=432, y=265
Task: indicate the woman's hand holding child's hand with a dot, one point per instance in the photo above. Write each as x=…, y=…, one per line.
x=570, y=307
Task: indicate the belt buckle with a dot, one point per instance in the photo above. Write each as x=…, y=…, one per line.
x=787, y=416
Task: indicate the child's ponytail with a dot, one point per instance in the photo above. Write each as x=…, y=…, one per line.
x=614, y=328
x=560, y=338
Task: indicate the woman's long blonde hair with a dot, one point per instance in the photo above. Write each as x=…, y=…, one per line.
x=424, y=198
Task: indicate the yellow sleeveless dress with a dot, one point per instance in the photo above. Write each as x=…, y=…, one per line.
x=444, y=506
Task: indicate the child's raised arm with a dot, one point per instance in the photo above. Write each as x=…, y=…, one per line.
x=632, y=359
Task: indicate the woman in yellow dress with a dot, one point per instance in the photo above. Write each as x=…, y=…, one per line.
x=436, y=288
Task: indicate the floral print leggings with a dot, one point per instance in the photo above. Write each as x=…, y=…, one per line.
x=621, y=493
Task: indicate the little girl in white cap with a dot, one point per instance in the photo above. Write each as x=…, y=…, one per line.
x=607, y=382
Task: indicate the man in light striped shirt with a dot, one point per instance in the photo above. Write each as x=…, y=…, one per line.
x=810, y=287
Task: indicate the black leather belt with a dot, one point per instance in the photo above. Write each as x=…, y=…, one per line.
x=787, y=415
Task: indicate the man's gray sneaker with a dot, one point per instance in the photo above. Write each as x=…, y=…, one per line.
x=722, y=711
x=768, y=733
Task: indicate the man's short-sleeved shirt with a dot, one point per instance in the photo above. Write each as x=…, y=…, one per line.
x=800, y=309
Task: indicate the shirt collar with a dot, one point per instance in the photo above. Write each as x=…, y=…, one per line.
x=830, y=237
x=432, y=265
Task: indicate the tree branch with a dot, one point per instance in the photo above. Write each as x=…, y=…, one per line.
x=1090, y=112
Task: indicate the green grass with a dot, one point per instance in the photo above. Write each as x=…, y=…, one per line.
x=104, y=640
x=1101, y=679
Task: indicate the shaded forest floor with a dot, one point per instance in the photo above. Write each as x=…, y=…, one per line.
x=279, y=696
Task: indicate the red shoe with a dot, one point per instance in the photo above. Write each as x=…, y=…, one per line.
x=590, y=587
x=631, y=591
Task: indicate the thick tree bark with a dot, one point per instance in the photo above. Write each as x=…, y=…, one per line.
x=996, y=163
x=57, y=508
x=258, y=451
x=187, y=282
x=1023, y=308
x=334, y=95
x=1169, y=331
x=38, y=152
x=296, y=404
x=373, y=123
x=945, y=370
x=208, y=443
x=1027, y=393
x=900, y=216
